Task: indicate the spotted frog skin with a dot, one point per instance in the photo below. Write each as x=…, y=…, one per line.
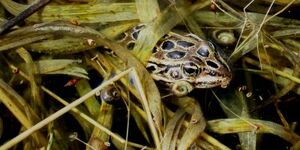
x=186, y=59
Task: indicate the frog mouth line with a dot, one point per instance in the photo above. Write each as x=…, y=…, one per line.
x=222, y=82
x=205, y=84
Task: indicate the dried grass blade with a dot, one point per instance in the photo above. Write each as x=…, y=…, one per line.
x=66, y=45
x=226, y=126
x=8, y=97
x=50, y=65
x=91, y=103
x=18, y=40
x=235, y=106
x=293, y=33
x=147, y=10
x=216, y=19
x=106, y=64
x=120, y=145
x=140, y=121
x=196, y=126
x=115, y=30
x=32, y=72
x=245, y=47
x=78, y=113
x=43, y=31
x=82, y=13
x=287, y=73
x=295, y=146
x=151, y=102
x=185, y=103
x=163, y=23
x=72, y=71
x=148, y=85
x=211, y=142
x=152, y=122
x=104, y=118
x=194, y=27
x=174, y=124
x=282, y=81
x=62, y=111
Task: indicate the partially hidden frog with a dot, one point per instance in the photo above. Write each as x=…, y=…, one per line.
x=184, y=62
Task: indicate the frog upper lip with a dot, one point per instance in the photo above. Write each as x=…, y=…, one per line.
x=213, y=81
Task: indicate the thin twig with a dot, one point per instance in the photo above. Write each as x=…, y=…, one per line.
x=62, y=111
x=238, y=116
x=23, y=15
x=91, y=120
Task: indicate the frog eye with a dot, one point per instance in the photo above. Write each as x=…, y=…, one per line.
x=167, y=45
x=190, y=69
x=203, y=51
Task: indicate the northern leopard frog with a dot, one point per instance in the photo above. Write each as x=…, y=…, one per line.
x=184, y=61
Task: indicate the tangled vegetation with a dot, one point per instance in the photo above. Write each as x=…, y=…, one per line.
x=56, y=67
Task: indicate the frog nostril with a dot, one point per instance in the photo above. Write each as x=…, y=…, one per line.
x=212, y=73
x=175, y=75
x=212, y=64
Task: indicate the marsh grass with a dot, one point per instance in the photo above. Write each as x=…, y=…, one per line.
x=55, y=64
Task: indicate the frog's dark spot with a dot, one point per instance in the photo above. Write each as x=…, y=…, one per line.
x=175, y=54
x=190, y=69
x=197, y=60
x=151, y=68
x=167, y=45
x=185, y=44
x=130, y=45
x=212, y=64
x=203, y=51
x=121, y=36
x=155, y=49
x=165, y=36
x=135, y=34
